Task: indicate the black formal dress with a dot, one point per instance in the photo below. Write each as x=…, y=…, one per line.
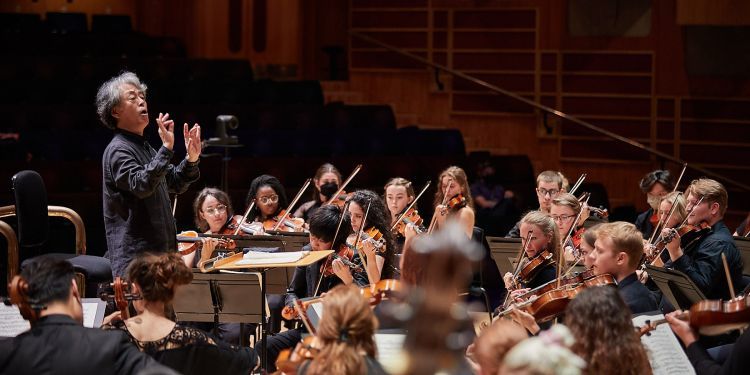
x=57, y=344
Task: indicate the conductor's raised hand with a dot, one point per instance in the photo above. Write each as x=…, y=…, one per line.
x=166, y=130
x=192, y=142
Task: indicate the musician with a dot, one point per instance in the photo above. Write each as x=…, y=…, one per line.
x=399, y=193
x=138, y=179
x=327, y=181
x=602, y=326
x=587, y=246
x=548, y=185
x=490, y=348
x=379, y=262
x=700, y=258
x=452, y=183
x=307, y=281
x=213, y=214
x=58, y=342
x=544, y=236
x=618, y=250
x=736, y=363
x=270, y=198
x=345, y=336
x=564, y=210
x=678, y=216
x=155, y=278
x=655, y=185
x=743, y=230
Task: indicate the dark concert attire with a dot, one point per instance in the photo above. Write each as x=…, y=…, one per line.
x=638, y=298
x=737, y=363
x=137, y=183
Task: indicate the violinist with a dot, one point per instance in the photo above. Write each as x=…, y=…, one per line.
x=323, y=225
x=737, y=362
x=345, y=336
x=618, y=250
x=604, y=335
x=548, y=185
x=327, y=180
x=269, y=197
x=155, y=278
x=564, y=211
x=544, y=236
x=698, y=253
x=453, y=200
x=655, y=185
x=379, y=259
x=213, y=214
x=678, y=216
x=57, y=341
x=399, y=193
x=587, y=246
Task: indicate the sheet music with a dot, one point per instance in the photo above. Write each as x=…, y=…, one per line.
x=89, y=314
x=11, y=322
x=390, y=353
x=258, y=257
x=664, y=351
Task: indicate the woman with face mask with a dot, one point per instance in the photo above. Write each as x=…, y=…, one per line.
x=655, y=185
x=327, y=180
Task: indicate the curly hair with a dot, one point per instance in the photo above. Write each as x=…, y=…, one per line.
x=602, y=324
x=157, y=275
x=345, y=330
x=380, y=218
x=259, y=182
x=220, y=196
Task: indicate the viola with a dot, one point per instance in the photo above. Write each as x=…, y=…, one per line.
x=712, y=317
x=289, y=224
x=411, y=217
x=18, y=290
x=189, y=241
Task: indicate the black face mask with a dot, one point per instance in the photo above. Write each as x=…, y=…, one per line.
x=328, y=189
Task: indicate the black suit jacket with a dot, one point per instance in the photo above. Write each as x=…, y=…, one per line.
x=638, y=298
x=57, y=344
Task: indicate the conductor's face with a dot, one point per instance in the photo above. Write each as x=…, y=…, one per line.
x=132, y=111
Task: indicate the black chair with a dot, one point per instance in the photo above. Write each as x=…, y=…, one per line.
x=487, y=281
x=32, y=213
x=66, y=23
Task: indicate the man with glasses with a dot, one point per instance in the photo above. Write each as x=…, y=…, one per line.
x=137, y=178
x=700, y=255
x=549, y=184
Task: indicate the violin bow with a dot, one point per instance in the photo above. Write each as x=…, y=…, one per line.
x=578, y=183
x=679, y=179
x=244, y=217
x=294, y=201
x=683, y=223
x=665, y=221
x=409, y=207
x=434, y=215
x=330, y=258
x=659, y=223
x=561, y=256
x=521, y=255
x=729, y=277
x=359, y=235
x=346, y=182
x=174, y=205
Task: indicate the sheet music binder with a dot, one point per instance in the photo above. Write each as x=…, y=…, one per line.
x=676, y=286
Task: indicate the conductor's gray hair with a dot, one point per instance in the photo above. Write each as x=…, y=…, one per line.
x=108, y=96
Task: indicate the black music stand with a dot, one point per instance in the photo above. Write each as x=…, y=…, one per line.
x=504, y=252
x=743, y=245
x=676, y=286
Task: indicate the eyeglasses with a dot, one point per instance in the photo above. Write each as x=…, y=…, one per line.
x=266, y=200
x=213, y=211
x=542, y=192
x=562, y=218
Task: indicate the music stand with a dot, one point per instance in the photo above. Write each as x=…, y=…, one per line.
x=676, y=286
x=504, y=252
x=743, y=245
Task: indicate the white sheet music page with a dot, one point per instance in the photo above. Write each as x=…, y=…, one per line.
x=11, y=322
x=664, y=351
x=89, y=314
x=390, y=351
x=259, y=257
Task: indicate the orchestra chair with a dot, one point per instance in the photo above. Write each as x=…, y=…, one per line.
x=32, y=213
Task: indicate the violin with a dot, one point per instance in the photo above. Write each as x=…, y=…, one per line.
x=411, y=217
x=372, y=235
x=551, y=304
x=577, y=278
x=18, y=290
x=382, y=290
x=189, y=241
x=289, y=224
x=346, y=255
x=711, y=317
x=289, y=361
x=689, y=234
x=530, y=269
x=456, y=203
